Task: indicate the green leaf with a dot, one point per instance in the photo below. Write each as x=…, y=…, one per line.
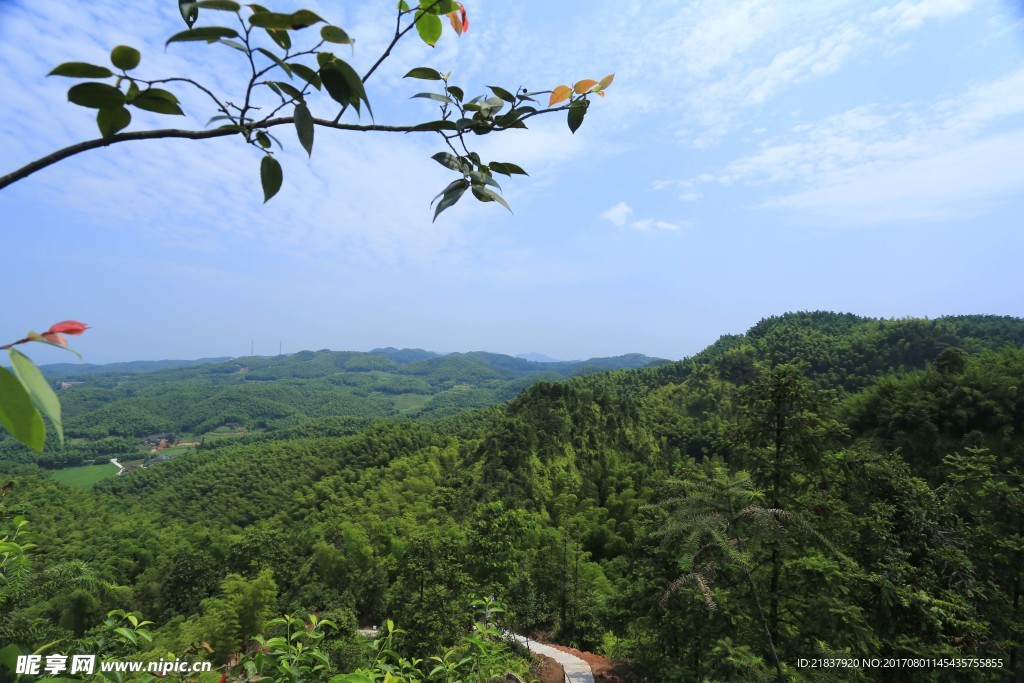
x=277, y=60
x=290, y=90
x=281, y=37
x=288, y=22
x=433, y=96
x=481, y=178
x=304, y=127
x=304, y=18
x=158, y=101
x=433, y=126
x=39, y=390
x=486, y=194
x=207, y=33
x=127, y=634
x=451, y=195
x=429, y=28
x=491, y=106
x=18, y=415
x=577, y=110
x=306, y=74
x=503, y=94
x=125, y=58
x=221, y=5
x=233, y=44
x=263, y=140
x=111, y=121
x=189, y=11
x=96, y=96
x=271, y=176
x=448, y=161
x=425, y=73
x=343, y=84
x=9, y=656
x=271, y=20
x=161, y=94
x=456, y=92
x=439, y=6
x=333, y=34
x=351, y=678
x=506, y=168
x=81, y=70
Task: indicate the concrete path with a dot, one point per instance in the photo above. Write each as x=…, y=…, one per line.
x=576, y=669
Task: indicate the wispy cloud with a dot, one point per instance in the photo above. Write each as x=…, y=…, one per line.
x=715, y=66
x=909, y=14
x=939, y=186
x=918, y=161
x=621, y=215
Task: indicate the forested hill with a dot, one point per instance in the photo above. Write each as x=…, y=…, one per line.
x=823, y=486
x=109, y=409
x=66, y=370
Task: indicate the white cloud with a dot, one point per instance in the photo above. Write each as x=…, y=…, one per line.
x=723, y=63
x=909, y=14
x=619, y=214
x=648, y=224
x=937, y=187
x=883, y=164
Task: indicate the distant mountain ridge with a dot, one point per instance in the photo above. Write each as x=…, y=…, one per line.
x=67, y=369
x=521, y=363
x=537, y=357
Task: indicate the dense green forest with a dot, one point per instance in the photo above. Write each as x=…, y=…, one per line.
x=109, y=409
x=825, y=486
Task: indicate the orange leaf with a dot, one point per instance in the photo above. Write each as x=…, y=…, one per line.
x=584, y=85
x=559, y=94
x=456, y=21
x=459, y=19
x=606, y=81
x=55, y=338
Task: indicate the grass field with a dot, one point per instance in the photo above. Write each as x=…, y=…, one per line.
x=173, y=450
x=406, y=402
x=221, y=433
x=84, y=477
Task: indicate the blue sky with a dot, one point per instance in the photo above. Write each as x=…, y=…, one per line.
x=751, y=158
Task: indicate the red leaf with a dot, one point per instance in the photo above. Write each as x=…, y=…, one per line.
x=67, y=327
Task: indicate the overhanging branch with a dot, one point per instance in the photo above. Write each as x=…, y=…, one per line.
x=61, y=154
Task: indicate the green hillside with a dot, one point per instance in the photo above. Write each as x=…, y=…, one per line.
x=823, y=486
x=109, y=409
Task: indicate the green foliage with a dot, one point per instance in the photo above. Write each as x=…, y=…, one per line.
x=235, y=616
x=712, y=519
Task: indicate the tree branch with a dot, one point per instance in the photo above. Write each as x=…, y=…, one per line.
x=61, y=154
